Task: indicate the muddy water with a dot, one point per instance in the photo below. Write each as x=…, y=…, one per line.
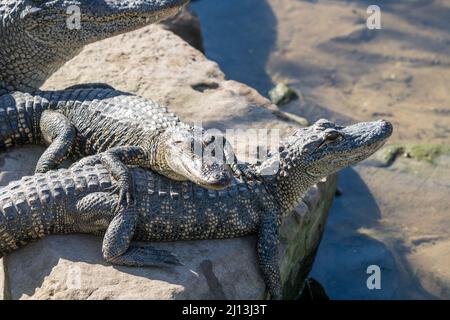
x=395, y=217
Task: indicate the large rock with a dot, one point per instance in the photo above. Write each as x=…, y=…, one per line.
x=157, y=64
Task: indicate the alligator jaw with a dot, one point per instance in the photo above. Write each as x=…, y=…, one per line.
x=356, y=143
x=207, y=174
x=135, y=14
x=98, y=19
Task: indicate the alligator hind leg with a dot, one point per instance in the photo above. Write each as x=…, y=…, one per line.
x=59, y=134
x=117, y=248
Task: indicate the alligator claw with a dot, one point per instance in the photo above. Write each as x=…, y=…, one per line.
x=112, y=189
x=126, y=198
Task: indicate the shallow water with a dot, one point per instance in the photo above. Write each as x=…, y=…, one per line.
x=347, y=74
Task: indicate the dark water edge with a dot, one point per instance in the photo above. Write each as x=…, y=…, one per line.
x=239, y=35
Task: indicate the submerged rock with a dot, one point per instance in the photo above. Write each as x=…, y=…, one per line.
x=157, y=64
x=282, y=94
x=429, y=153
x=287, y=116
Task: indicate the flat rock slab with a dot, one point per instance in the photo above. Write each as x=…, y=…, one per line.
x=157, y=64
x=71, y=267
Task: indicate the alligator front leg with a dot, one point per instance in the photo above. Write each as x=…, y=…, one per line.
x=267, y=247
x=239, y=169
x=116, y=160
x=59, y=135
x=117, y=248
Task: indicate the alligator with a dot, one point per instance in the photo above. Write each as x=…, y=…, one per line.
x=76, y=200
x=38, y=36
x=35, y=41
x=89, y=119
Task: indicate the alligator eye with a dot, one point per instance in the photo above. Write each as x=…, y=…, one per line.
x=332, y=136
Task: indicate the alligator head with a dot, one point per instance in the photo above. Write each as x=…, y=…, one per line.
x=55, y=22
x=180, y=154
x=320, y=150
x=38, y=36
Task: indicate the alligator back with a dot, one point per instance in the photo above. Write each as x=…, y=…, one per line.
x=106, y=118
x=172, y=210
x=103, y=118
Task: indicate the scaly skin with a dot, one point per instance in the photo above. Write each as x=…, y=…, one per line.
x=77, y=201
x=130, y=130
x=35, y=38
x=35, y=41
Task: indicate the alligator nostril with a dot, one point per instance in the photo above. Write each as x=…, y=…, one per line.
x=386, y=123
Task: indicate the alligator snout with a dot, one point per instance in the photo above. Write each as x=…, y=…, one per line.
x=220, y=175
x=386, y=127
